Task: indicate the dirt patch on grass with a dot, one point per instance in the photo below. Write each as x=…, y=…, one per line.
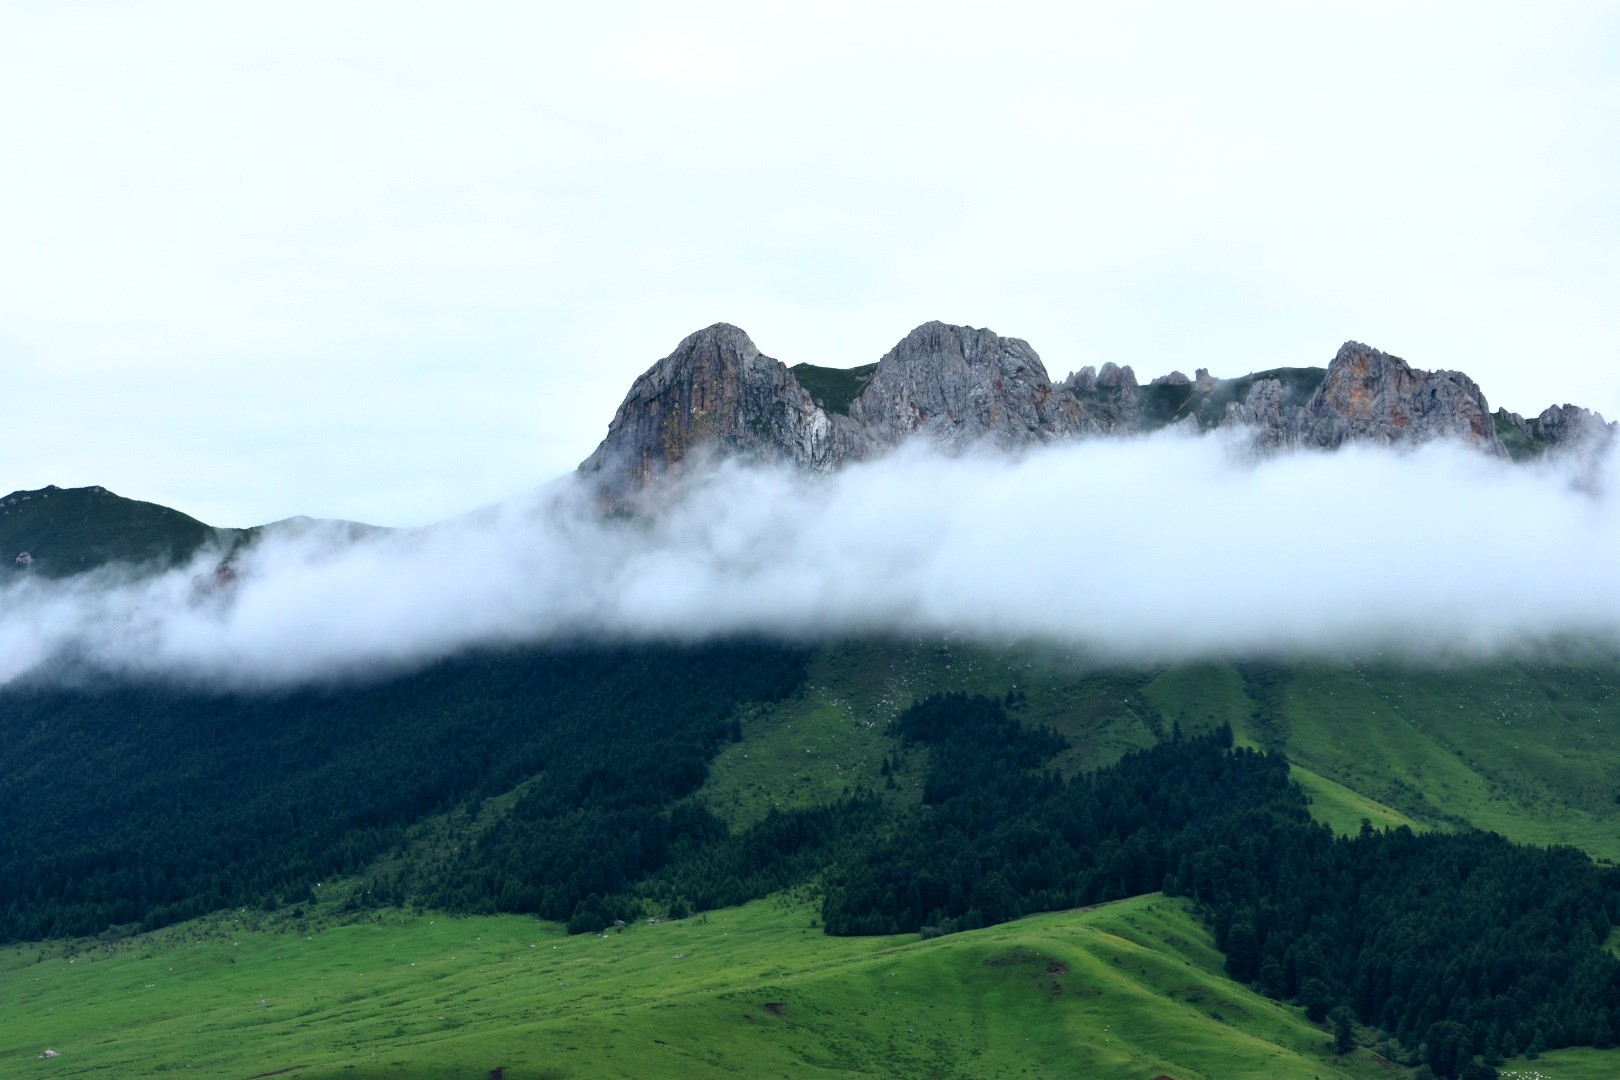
x=1017, y=956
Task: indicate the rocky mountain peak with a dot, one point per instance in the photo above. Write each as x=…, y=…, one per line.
x=961, y=386
x=1114, y=377
x=958, y=385
x=1558, y=427
x=715, y=391
x=1368, y=395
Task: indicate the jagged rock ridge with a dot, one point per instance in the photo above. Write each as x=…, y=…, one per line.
x=715, y=390
x=718, y=393
x=1559, y=427
x=960, y=386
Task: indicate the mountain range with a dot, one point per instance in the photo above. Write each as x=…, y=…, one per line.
x=959, y=387
x=956, y=387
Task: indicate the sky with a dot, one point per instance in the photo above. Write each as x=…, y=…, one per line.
x=392, y=262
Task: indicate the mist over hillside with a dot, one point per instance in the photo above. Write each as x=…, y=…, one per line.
x=1148, y=549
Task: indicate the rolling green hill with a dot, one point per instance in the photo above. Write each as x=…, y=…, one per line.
x=1129, y=990
x=65, y=531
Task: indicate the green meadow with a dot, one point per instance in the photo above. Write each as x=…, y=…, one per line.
x=1128, y=990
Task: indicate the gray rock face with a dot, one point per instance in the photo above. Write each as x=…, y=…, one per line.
x=959, y=386
x=1276, y=424
x=1372, y=396
x=1114, y=377
x=716, y=391
x=1560, y=428
x=1083, y=381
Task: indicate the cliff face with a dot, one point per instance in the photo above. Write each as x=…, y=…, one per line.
x=715, y=392
x=1371, y=396
x=959, y=386
x=718, y=393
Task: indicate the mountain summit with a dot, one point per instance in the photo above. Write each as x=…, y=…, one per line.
x=960, y=386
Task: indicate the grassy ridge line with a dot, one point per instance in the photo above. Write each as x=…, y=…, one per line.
x=1127, y=990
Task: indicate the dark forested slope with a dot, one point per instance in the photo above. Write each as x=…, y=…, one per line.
x=151, y=803
x=56, y=532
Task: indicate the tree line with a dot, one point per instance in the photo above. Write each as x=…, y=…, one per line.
x=1463, y=948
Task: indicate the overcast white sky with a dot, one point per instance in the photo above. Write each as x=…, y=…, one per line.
x=393, y=261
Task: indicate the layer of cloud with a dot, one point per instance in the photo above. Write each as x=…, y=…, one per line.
x=1138, y=550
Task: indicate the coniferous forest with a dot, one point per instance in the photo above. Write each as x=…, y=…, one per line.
x=151, y=803
x=146, y=804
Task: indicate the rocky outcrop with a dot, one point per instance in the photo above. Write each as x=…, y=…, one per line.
x=1371, y=396
x=716, y=391
x=1109, y=399
x=959, y=386
x=1114, y=377
x=1266, y=411
x=956, y=385
x=1560, y=428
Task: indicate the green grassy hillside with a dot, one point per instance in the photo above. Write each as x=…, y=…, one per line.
x=1530, y=750
x=832, y=738
x=1129, y=990
x=68, y=530
x=1522, y=747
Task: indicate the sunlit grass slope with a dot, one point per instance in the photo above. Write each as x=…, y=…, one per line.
x=831, y=739
x=1129, y=990
x=1527, y=749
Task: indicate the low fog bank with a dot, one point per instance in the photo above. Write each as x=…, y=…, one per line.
x=1146, y=550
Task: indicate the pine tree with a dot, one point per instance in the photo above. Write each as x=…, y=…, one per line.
x=1344, y=1031
x=1243, y=947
